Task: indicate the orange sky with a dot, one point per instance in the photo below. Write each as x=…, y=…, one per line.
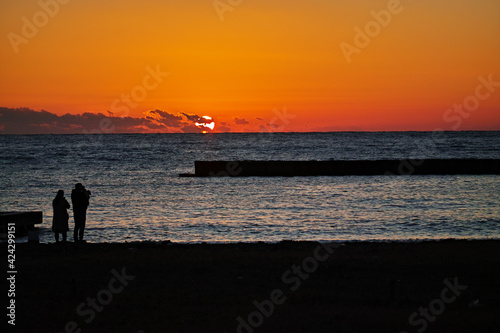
x=263, y=55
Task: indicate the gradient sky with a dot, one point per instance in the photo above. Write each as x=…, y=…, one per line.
x=245, y=66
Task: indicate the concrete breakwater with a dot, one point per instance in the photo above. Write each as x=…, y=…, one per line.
x=23, y=221
x=346, y=168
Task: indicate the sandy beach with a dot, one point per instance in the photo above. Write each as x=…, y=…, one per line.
x=444, y=286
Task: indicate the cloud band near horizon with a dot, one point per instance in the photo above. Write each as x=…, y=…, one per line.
x=28, y=121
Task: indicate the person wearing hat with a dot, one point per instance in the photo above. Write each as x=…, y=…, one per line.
x=80, y=200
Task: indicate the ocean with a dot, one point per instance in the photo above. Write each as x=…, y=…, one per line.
x=137, y=194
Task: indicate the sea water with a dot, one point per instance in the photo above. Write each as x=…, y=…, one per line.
x=137, y=194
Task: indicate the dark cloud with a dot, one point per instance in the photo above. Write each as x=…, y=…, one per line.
x=165, y=118
x=191, y=117
x=195, y=119
x=191, y=129
x=27, y=121
x=222, y=128
x=241, y=121
x=94, y=122
x=205, y=121
x=12, y=115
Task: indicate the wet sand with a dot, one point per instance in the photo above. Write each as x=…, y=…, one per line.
x=445, y=286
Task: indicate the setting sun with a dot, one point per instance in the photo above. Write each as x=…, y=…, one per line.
x=205, y=122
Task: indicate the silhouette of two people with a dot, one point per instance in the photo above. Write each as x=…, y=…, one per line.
x=80, y=200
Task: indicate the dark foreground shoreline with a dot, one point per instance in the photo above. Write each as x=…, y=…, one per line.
x=440, y=286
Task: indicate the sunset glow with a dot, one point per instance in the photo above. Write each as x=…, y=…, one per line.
x=334, y=66
x=205, y=122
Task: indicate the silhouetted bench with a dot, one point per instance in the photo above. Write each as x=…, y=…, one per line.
x=24, y=221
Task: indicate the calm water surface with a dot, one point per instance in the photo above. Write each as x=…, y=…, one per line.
x=137, y=194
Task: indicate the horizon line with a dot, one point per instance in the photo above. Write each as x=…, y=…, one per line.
x=291, y=132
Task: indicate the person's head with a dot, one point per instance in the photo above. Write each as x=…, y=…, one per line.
x=60, y=194
x=79, y=186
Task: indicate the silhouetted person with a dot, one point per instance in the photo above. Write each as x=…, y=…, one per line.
x=80, y=200
x=61, y=216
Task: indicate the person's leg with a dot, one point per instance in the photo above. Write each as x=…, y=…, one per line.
x=82, y=227
x=56, y=234
x=75, y=232
x=64, y=235
x=78, y=225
